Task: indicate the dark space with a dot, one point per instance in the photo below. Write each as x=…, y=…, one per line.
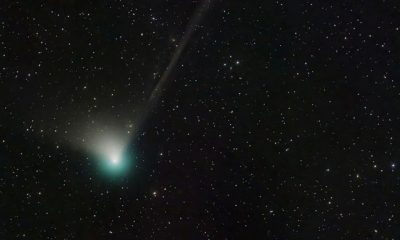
x=279, y=119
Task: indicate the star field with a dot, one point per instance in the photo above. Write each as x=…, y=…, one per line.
x=201, y=119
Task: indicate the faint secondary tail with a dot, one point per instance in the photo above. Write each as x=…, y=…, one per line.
x=156, y=93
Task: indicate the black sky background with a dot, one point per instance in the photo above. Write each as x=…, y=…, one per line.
x=281, y=120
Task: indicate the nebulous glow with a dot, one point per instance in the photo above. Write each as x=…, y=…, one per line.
x=111, y=152
x=115, y=159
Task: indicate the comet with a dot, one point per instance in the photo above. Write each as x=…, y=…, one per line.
x=112, y=146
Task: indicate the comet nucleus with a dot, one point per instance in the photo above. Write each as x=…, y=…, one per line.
x=111, y=152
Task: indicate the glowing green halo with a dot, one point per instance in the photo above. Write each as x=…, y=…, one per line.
x=111, y=153
x=115, y=164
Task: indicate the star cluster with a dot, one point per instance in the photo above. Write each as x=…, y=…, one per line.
x=280, y=119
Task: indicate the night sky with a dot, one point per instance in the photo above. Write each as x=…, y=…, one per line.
x=204, y=119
